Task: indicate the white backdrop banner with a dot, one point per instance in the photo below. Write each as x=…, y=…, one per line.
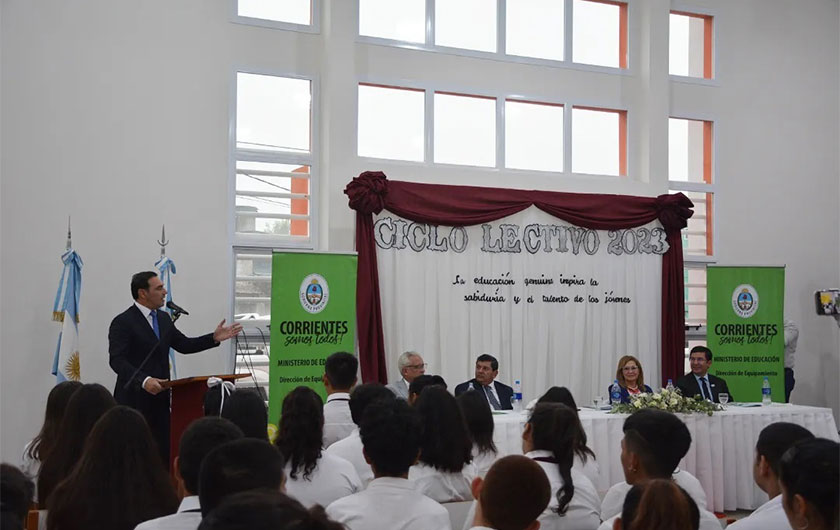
x=557, y=304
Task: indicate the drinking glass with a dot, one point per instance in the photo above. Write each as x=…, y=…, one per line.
x=724, y=398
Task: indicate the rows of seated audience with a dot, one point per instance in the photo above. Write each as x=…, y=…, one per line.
x=372, y=458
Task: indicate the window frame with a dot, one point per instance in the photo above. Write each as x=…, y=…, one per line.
x=314, y=28
x=501, y=28
x=679, y=8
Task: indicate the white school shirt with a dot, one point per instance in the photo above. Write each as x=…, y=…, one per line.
x=332, y=479
x=768, y=516
x=442, y=486
x=481, y=462
x=590, y=468
x=582, y=510
x=389, y=503
x=188, y=517
x=338, y=423
x=350, y=449
x=708, y=521
x=614, y=499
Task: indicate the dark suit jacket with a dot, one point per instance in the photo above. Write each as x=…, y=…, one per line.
x=130, y=338
x=504, y=392
x=689, y=387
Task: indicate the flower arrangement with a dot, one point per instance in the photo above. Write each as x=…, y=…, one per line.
x=667, y=400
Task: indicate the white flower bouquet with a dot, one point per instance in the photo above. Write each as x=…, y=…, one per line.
x=667, y=400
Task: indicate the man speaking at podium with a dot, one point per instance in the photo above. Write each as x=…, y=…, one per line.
x=138, y=345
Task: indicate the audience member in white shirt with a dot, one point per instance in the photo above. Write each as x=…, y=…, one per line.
x=480, y=427
x=422, y=381
x=266, y=510
x=247, y=410
x=772, y=443
x=810, y=489
x=513, y=494
x=614, y=498
x=390, y=432
x=312, y=476
x=654, y=443
x=350, y=448
x=339, y=378
x=657, y=504
x=445, y=448
x=202, y=436
x=234, y=467
x=411, y=365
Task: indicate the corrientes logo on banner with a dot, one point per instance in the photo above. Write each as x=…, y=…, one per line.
x=745, y=300
x=314, y=293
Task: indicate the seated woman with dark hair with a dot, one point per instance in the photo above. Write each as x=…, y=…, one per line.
x=444, y=468
x=810, y=480
x=246, y=409
x=119, y=481
x=480, y=427
x=630, y=377
x=86, y=406
x=658, y=504
x=551, y=437
x=312, y=476
x=421, y=382
x=266, y=510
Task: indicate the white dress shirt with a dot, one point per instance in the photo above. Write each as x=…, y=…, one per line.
x=590, y=468
x=332, y=479
x=338, y=423
x=350, y=449
x=582, y=511
x=791, y=338
x=481, y=462
x=768, y=516
x=148, y=314
x=389, y=503
x=188, y=517
x=440, y=485
x=614, y=499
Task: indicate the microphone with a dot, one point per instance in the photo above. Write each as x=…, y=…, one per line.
x=175, y=307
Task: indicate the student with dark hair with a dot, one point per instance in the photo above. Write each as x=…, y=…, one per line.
x=559, y=394
x=772, y=443
x=119, y=481
x=550, y=439
x=486, y=370
x=654, y=443
x=350, y=448
x=339, y=378
x=266, y=510
x=84, y=409
x=512, y=496
x=480, y=427
x=390, y=432
x=658, y=504
x=420, y=383
x=246, y=409
x=444, y=470
x=202, y=436
x=239, y=465
x=313, y=477
x=37, y=450
x=810, y=480
x=16, y=494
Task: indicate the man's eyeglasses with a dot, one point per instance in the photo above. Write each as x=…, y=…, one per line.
x=418, y=366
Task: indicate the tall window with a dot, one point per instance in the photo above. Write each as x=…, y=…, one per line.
x=300, y=15
x=690, y=45
x=599, y=141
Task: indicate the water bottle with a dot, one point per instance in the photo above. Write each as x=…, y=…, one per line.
x=670, y=386
x=615, y=393
x=516, y=401
x=766, y=398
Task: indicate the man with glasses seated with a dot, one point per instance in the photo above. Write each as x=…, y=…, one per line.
x=411, y=366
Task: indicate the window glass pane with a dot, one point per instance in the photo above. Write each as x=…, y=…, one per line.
x=252, y=296
x=465, y=130
x=595, y=142
x=268, y=196
x=391, y=123
x=698, y=235
x=272, y=113
x=688, y=160
x=293, y=11
x=596, y=33
x=533, y=136
x=404, y=20
x=687, y=46
x=469, y=24
x=534, y=28
x=695, y=294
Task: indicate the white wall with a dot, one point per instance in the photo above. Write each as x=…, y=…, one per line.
x=117, y=113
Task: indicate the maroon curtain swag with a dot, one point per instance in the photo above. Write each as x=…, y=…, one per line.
x=371, y=192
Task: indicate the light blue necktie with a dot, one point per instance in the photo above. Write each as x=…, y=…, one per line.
x=155, y=324
x=705, y=389
x=492, y=399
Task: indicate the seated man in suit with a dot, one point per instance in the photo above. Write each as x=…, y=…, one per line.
x=486, y=369
x=411, y=366
x=699, y=382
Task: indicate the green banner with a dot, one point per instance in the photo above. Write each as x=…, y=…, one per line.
x=745, y=329
x=313, y=314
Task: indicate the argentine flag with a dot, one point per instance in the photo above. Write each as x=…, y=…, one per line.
x=166, y=268
x=66, y=366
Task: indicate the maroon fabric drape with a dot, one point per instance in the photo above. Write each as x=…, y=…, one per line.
x=371, y=192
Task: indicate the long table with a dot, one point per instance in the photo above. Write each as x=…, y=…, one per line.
x=721, y=454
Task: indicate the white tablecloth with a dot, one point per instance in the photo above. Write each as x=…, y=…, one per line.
x=721, y=454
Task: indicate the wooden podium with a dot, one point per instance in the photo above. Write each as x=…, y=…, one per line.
x=187, y=405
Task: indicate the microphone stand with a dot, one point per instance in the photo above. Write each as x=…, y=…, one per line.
x=154, y=347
